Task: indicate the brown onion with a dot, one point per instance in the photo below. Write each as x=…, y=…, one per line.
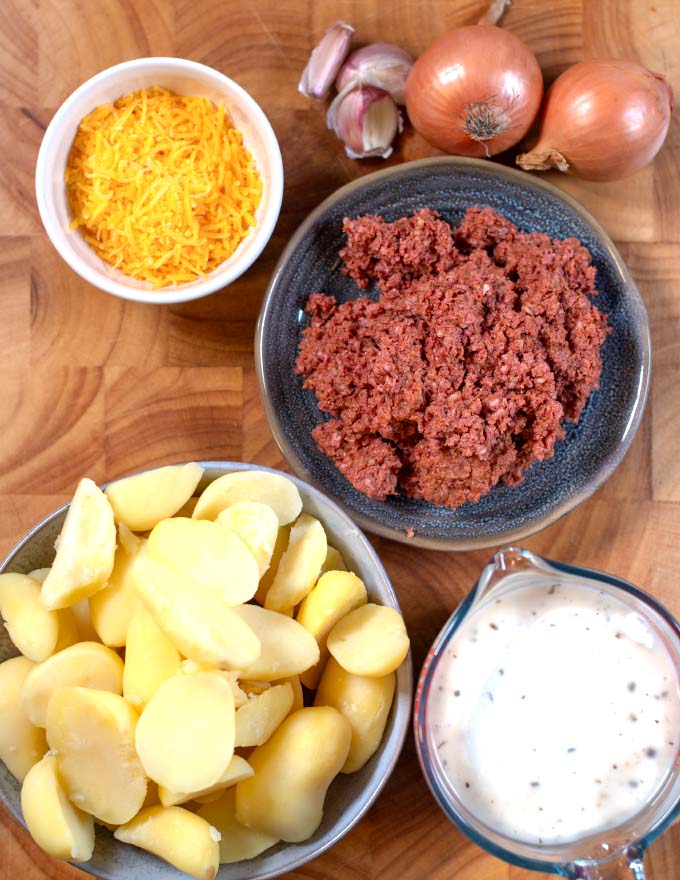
x=474, y=91
x=602, y=120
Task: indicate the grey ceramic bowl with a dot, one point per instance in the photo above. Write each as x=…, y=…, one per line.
x=349, y=797
x=592, y=448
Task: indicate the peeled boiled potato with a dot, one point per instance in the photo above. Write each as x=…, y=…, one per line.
x=87, y=665
x=176, y=835
x=196, y=622
x=237, y=769
x=333, y=561
x=111, y=609
x=238, y=842
x=371, y=640
x=145, y=499
x=81, y=612
x=257, y=720
x=185, y=735
x=56, y=825
x=336, y=594
x=85, y=549
x=286, y=647
x=21, y=743
x=293, y=770
x=298, y=696
x=32, y=628
x=150, y=659
x=365, y=703
x=300, y=564
x=93, y=735
x=274, y=490
x=280, y=545
x=211, y=555
x=257, y=526
x=68, y=630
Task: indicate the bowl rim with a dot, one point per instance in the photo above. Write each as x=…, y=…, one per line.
x=212, y=282
x=402, y=708
x=516, y=176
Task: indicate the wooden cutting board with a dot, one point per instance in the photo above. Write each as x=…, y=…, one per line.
x=93, y=385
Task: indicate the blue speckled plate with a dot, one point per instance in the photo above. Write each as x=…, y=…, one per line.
x=592, y=448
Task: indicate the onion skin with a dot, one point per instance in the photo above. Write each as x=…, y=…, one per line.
x=470, y=69
x=602, y=120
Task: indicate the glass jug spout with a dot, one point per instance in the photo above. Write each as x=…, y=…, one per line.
x=508, y=561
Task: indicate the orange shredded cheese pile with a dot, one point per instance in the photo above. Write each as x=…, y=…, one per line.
x=161, y=185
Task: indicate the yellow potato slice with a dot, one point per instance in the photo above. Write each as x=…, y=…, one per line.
x=190, y=667
x=365, y=703
x=253, y=688
x=93, y=735
x=56, y=825
x=212, y=556
x=32, y=628
x=111, y=609
x=333, y=561
x=274, y=490
x=256, y=525
x=185, y=736
x=150, y=659
x=87, y=665
x=237, y=769
x=238, y=843
x=81, y=612
x=85, y=549
x=300, y=564
x=257, y=720
x=293, y=770
x=336, y=594
x=287, y=648
x=69, y=633
x=21, y=744
x=371, y=640
x=280, y=545
x=39, y=574
x=177, y=836
x=145, y=499
x=298, y=697
x=200, y=626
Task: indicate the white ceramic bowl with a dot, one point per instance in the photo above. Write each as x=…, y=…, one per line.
x=183, y=77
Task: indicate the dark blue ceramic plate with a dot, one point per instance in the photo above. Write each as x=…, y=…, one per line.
x=592, y=448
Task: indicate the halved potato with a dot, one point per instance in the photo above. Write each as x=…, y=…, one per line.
x=85, y=549
x=258, y=527
x=21, y=743
x=69, y=632
x=93, y=735
x=280, y=545
x=200, y=626
x=145, y=499
x=185, y=735
x=274, y=490
x=257, y=720
x=300, y=564
x=32, y=628
x=86, y=664
x=150, y=659
x=56, y=825
x=238, y=843
x=177, y=836
x=333, y=561
x=111, y=609
x=237, y=769
x=211, y=555
x=371, y=640
x=286, y=647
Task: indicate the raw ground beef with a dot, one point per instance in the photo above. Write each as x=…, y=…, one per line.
x=482, y=343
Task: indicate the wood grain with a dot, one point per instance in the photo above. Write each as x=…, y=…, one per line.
x=91, y=384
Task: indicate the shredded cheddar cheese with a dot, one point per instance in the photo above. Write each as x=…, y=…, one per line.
x=161, y=185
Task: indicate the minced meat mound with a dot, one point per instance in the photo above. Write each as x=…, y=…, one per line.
x=483, y=341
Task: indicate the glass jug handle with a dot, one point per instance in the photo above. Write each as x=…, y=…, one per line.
x=624, y=866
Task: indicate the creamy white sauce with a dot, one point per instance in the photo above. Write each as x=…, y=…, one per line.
x=555, y=711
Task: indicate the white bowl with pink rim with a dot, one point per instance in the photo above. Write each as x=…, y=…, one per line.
x=186, y=78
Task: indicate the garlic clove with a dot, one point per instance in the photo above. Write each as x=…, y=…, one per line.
x=366, y=119
x=325, y=61
x=383, y=65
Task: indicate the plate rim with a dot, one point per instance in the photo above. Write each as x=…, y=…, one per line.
x=515, y=176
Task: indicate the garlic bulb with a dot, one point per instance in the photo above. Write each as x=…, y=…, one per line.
x=383, y=65
x=366, y=119
x=325, y=61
